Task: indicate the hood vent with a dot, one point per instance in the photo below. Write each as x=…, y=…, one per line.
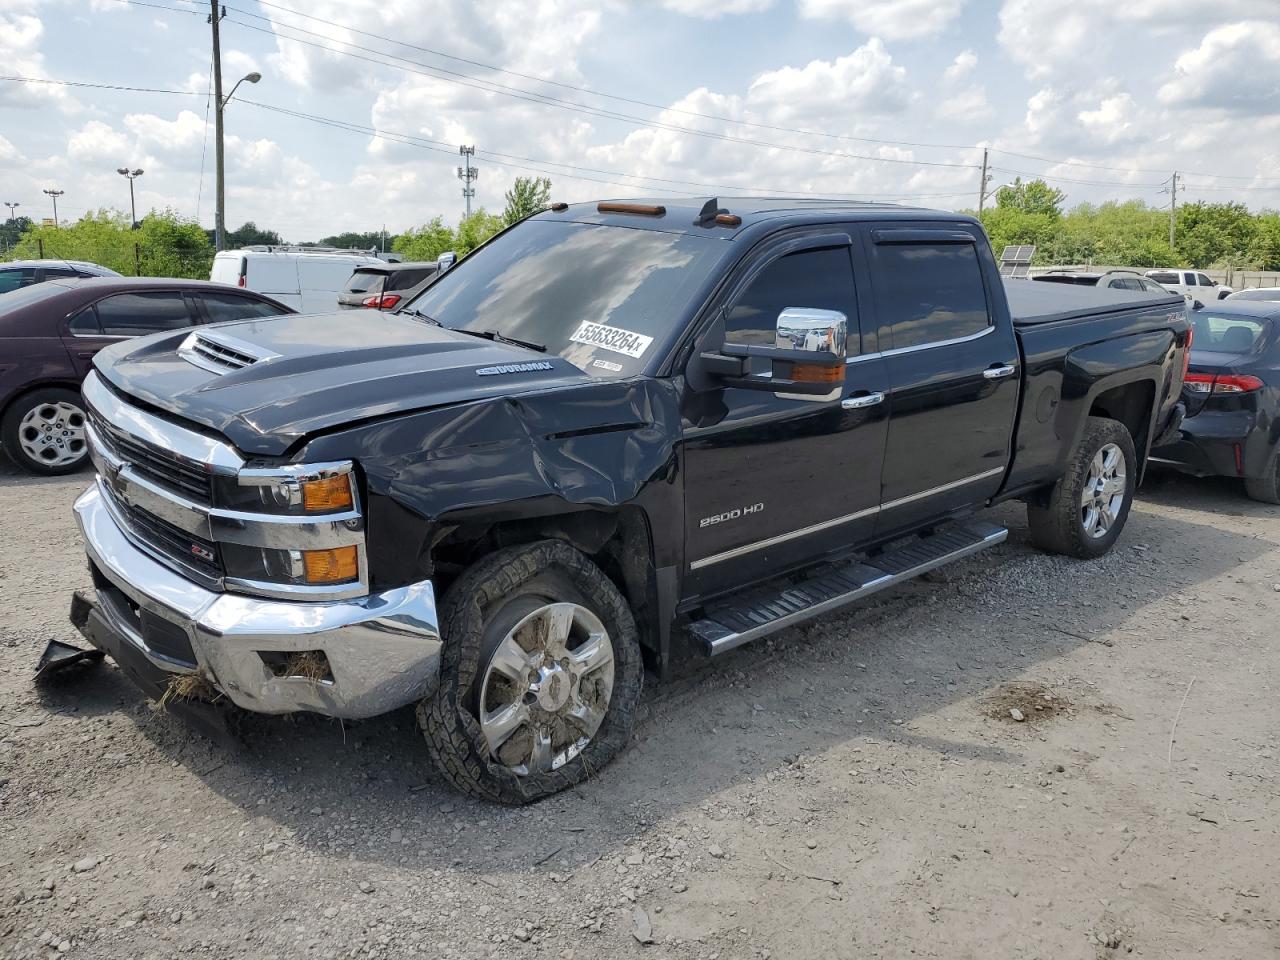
x=218, y=353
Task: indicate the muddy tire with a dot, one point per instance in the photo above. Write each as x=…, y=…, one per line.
x=1265, y=489
x=1088, y=507
x=484, y=616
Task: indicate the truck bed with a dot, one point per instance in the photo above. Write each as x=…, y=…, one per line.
x=1032, y=303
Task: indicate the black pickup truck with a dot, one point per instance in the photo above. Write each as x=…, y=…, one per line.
x=617, y=436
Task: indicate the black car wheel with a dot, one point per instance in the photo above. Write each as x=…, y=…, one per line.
x=44, y=431
x=1265, y=489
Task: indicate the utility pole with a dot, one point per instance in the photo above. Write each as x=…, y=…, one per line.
x=982, y=185
x=55, y=194
x=1173, y=208
x=468, y=175
x=219, y=209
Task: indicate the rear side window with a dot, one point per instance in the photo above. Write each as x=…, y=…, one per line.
x=822, y=279
x=85, y=323
x=222, y=307
x=404, y=279
x=366, y=281
x=13, y=279
x=1226, y=334
x=135, y=314
x=928, y=292
x=1164, y=277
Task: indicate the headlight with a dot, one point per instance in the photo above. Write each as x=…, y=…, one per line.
x=294, y=489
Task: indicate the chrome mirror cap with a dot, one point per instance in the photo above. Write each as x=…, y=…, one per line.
x=812, y=330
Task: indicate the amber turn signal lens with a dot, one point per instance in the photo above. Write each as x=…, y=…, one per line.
x=331, y=493
x=331, y=566
x=817, y=373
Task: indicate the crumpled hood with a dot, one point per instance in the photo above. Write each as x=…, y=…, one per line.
x=324, y=371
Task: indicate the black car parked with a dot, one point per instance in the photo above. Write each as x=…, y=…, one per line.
x=1232, y=390
x=49, y=333
x=386, y=285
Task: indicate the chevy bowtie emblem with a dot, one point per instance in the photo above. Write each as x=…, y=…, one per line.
x=513, y=368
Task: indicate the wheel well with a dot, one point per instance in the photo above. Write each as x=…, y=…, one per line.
x=1130, y=404
x=32, y=388
x=619, y=542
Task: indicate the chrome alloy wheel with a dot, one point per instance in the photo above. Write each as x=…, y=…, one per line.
x=52, y=434
x=546, y=688
x=1104, y=492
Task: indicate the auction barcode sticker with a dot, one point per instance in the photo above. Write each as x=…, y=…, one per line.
x=612, y=338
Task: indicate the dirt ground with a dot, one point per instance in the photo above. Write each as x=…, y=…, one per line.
x=857, y=787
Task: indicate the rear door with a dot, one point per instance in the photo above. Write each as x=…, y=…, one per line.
x=952, y=372
x=124, y=315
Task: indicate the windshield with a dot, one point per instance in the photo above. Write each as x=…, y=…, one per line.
x=25, y=296
x=598, y=296
x=1225, y=334
x=1271, y=295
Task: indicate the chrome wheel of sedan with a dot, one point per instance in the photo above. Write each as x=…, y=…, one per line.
x=1102, y=497
x=52, y=434
x=546, y=688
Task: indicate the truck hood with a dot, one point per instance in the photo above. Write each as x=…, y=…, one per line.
x=323, y=371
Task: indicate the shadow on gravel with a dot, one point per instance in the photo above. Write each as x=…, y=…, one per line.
x=366, y=790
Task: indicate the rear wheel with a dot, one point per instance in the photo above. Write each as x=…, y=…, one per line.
x=1266, y=489
x=1088, y=507
x=540, y=675
x=44, y=431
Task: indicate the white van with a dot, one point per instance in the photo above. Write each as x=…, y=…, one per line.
x=307, y=280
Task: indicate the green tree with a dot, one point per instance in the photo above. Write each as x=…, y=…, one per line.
x=359, y=241
x=1034, y=196
x=164, y=245
x=11, y=231
x=475, y=230
x=425, y=242
x=1215, y=234
x=527, y=196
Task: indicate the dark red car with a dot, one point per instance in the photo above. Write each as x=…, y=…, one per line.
x=50, y=331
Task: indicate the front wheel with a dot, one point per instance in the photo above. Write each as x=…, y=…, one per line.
x=1088, y=507
x=540, y=675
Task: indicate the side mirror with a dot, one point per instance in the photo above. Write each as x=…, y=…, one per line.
x=806, y=361
x=446, y=260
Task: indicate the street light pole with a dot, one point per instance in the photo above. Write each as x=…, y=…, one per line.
x=55, y=194
x=12, y=207
x=132, y=175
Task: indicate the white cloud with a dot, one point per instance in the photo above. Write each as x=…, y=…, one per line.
x=1113, y=120
x=961, y=67
x=9, y=154
x=893, y=19
x=1048, y=36
x=185, y=133
x=1235, y=68
x=20, y=36
x=98, y=142
x=865, y=81
x=713, y=9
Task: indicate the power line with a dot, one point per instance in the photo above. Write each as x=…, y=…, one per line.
x=489, y=86
x=512, y=160
x=104, y=86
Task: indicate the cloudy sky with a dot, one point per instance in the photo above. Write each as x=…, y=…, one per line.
x=882, y=99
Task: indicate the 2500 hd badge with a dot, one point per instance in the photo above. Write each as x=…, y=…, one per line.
x=733, y=514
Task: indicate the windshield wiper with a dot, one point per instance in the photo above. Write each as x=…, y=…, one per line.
x=422, y=316
x=502, y=338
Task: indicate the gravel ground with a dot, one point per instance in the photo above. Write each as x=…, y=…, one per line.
x=857, y=787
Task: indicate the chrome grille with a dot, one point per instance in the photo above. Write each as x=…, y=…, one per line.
x=190, y=480
x=200, y=559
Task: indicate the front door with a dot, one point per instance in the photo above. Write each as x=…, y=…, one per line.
x=953, y=372
x=774, y=480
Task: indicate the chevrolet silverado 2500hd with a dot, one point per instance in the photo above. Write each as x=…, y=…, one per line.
x=614, y=436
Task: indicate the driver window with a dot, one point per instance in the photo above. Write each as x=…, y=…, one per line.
x=822, y=279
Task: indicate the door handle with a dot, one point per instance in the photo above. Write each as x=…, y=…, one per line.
x=859, y=402
x=999, y=373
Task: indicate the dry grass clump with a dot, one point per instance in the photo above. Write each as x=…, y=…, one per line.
x=183, y=687
x=308, y=664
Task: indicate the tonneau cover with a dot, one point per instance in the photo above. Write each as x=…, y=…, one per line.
x=1031, y=302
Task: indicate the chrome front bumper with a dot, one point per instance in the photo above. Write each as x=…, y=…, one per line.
x=383, y=649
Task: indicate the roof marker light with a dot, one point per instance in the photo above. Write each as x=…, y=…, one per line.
x=644, y=209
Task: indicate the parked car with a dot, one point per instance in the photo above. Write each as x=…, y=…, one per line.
x=16, y=274
x=1232, y=427
x=1111, y=279
x=303, y=278
x=1195, y=286
x=386, y=285
x=1265, y=294
x=614, y=435
x=49, y=334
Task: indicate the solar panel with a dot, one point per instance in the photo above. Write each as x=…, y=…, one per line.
x=1015, y=261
